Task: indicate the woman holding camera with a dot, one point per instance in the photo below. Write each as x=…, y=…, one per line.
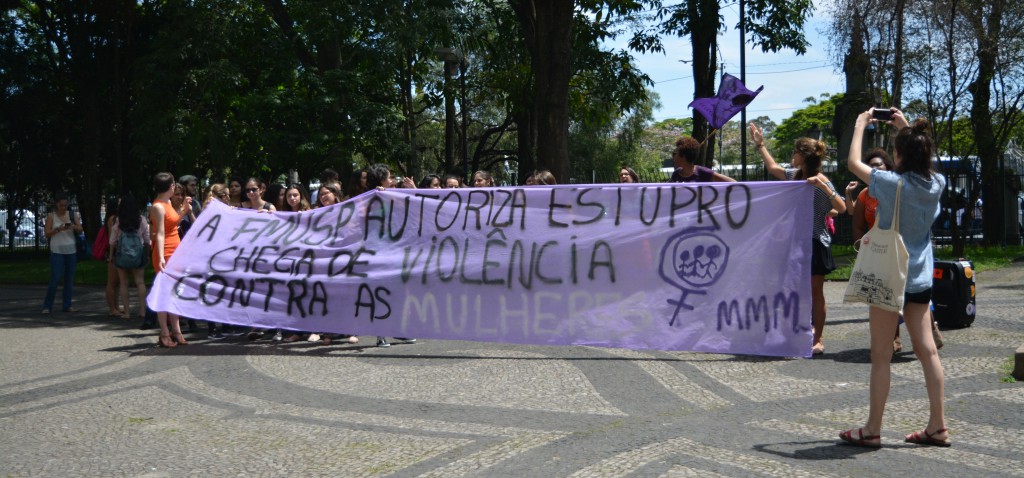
x=60, y=229
x=919, y=206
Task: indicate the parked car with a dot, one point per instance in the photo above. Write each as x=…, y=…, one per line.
x=26, y=227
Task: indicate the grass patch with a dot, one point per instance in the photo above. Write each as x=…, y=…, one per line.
x=32, y=268
x=1008, y=371
x=984, y=258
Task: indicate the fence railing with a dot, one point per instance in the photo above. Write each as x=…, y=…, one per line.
x=962, y=186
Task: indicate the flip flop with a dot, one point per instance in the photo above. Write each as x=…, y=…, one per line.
x=861, y=440
x=924, y=438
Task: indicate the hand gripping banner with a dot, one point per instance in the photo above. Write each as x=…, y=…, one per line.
x=721, y=267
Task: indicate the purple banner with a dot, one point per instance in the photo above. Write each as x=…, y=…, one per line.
x=721, y=267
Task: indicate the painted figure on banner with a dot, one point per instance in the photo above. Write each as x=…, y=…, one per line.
x=692, y=260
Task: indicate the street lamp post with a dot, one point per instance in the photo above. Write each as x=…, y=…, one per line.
x=463, y=65
x=452, y=58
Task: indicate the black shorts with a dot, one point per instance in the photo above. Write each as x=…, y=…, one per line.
x=923, y=297
x=821, y=258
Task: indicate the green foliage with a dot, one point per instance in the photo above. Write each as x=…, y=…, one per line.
x=817, y=114
x=598, y=155
x=776, y=25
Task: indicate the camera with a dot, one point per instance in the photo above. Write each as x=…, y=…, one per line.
x=882, y=114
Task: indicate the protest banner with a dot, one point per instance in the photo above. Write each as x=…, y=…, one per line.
x=721, y=267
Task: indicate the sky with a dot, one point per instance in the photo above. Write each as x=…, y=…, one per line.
x=787, y=78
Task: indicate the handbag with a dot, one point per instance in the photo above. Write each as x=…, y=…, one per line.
x=879, y=276
x=100, y=245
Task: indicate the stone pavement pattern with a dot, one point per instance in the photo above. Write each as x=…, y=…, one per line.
x=87, y=395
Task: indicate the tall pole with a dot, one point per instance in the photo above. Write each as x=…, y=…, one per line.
x=449, y=117
x=463, y=66
x=743, y=78
x=452, y=58
x=721, y=134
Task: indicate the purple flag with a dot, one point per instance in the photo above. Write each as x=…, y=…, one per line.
x=732, y=97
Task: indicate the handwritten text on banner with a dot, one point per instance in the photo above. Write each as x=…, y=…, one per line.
x=714, y=268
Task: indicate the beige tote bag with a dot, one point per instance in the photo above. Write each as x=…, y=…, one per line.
x=879, y=276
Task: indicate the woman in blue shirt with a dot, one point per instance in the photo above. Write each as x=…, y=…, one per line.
x=919, y=206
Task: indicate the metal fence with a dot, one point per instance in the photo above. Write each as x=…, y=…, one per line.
x=28, y=229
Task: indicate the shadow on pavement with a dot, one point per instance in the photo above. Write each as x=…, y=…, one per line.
x=826, y=450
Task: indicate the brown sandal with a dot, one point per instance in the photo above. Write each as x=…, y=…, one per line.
x=180, y=339
x=924, y=438
x=166, y=342
x=861, y=440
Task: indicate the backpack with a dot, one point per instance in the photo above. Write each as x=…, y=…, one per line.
x=130, y=252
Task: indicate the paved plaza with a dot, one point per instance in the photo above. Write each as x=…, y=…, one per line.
x=88, y=395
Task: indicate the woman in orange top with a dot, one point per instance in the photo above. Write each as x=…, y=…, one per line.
x=863, y=208
x=165, y=240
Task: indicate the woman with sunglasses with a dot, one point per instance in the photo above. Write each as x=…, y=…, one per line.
x=254, y=189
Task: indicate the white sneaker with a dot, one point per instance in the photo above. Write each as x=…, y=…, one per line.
x=313, y=338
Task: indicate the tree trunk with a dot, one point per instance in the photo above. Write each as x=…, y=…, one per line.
x=704, y=22
x=981, y=121
x=547, y=27
x=897, y=67
x=856, y=67
x=526, y=135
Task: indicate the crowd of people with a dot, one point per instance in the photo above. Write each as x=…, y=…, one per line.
x=178, y=203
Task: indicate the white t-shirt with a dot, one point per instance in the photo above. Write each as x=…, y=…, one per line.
x=62, y=242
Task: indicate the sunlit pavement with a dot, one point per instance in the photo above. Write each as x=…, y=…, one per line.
x=88, y=395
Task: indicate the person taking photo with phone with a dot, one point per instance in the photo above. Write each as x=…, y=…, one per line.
x=60, y=229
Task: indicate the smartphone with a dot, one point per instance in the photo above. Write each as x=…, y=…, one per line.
x=882, y=114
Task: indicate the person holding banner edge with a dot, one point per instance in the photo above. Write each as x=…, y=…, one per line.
x=295, y=200
x=378, y=177
x=329, y=194
x=164, y=221
x=919, y=206
x=684, y=157
x=806, y=160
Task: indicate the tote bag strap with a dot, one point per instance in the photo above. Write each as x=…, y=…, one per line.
x=895, y=226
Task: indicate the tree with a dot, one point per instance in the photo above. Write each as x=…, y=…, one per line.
x=547, y=30
x=68, y=112
x=817, y=115
x=996, y=25
x=563, y=41
x=954, y=61
x=773, y=25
